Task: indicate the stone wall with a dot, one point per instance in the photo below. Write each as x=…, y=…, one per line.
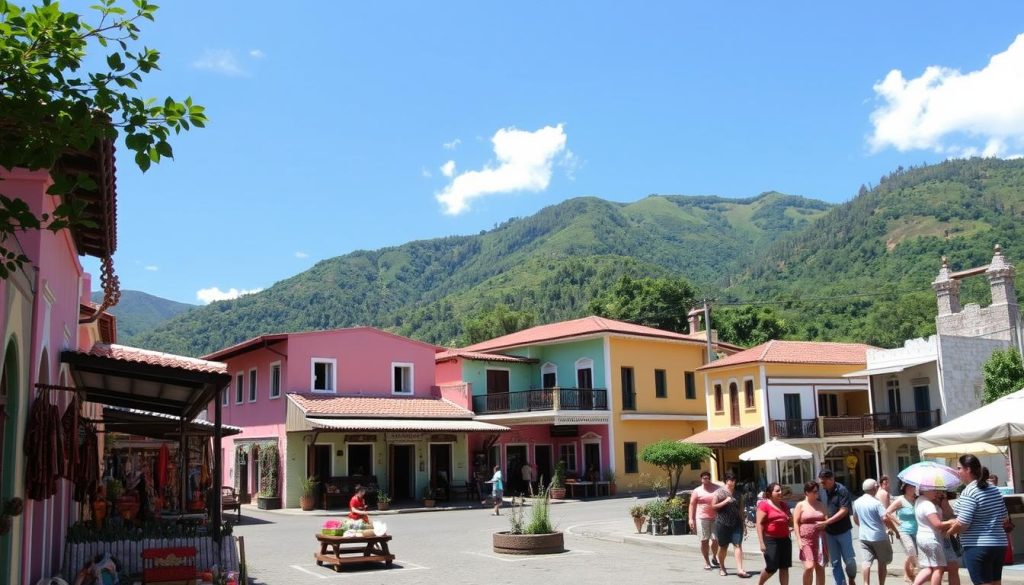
x=960, y=360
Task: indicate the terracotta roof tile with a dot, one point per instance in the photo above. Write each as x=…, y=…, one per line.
x=576, y=328
x=154, y=358
x=797, y=352
x=379, y=407
x=451, y=354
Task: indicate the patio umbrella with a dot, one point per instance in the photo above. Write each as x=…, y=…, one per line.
x=979, y=448
x=775, y=450
x=928, y=475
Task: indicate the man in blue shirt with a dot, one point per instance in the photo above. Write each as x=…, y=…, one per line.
x=838, y=528
x=869, y=515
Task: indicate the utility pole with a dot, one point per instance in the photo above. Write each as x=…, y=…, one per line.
x=707, y=331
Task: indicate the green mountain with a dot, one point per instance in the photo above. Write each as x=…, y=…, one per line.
x=552, y=263
x=859, y=271
x=137, y=311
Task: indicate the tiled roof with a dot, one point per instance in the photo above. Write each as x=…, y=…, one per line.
x=729, y=437
x=378, y=406
x=797, y=352
x=452, y=354
x=153, y=358
x=576, y=328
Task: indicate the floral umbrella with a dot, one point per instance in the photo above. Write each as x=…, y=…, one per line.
x=928, y=475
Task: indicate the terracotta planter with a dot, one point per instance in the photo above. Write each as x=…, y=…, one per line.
x=268, y=502
x=528, y=544
x=383, y=506
x=307, y=503
x=638, y=521
x=429, y=503
x=611, y=489
x=556, y=493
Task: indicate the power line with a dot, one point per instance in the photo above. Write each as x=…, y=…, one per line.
x=798, y=300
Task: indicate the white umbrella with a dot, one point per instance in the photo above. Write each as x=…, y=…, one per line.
x=978, y=448
x=775, y=450
x=995, y=423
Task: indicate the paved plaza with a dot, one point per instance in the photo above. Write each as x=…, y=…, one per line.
x=454, y=546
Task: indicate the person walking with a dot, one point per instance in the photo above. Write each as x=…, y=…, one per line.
x=497, y=489
x=838, y=528
x=773, y=523
x=902, y=508
x=931, y=531
x=729, y=525
x=526, y=471
x=807, y=514
x=702, y=519
x=981, y=517
x=869, y=515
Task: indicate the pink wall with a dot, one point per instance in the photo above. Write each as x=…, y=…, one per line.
x=449, y=372
x=540, y=434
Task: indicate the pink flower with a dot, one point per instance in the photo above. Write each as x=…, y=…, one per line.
x=332, y=524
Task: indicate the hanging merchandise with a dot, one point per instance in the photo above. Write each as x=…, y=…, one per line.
x=41, y=435
x=205, y=480
x=69, y=425
x=88, y=470
x=162, y=459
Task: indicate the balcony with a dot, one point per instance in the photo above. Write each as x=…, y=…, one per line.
x=913, y=421
x=542, y=400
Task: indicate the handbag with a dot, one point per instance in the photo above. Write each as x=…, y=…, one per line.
x=954, y=542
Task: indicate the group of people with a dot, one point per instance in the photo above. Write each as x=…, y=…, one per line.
x=935, y=535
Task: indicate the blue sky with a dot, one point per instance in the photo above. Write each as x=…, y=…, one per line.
x=338, y=126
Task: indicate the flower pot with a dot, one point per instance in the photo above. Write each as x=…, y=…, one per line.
x=611, y=489
x=638, y=521
x=528, y=544
x=678, y=526
x=268, y=502
x=556, y=493
x=429, y=502
x=382, y=506
x=307, y=503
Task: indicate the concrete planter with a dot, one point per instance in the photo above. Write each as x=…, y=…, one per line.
x=528, y=544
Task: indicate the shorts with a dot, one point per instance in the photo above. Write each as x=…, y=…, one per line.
x=876, y=550
x=909, y=544
x=984, y=563
x=778, y=553
x=705, y=528
x=726, y=535
x=497, y=495
x=949, y=551
x=930, y=554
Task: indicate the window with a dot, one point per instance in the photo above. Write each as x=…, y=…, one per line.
x=252, y=385
x=628, y=392
x=567, y=453
x=629, y=453
x=549, y=375
x=660, y=384
x=828, y=405
x=691, y=386
x=225, y=395
x=795, y=472
x=275, y=380
x=695, y=465
x=584, y=373
x=323, y=375
x=748, y=393
x=734, y=404
x=401, y=378
x=239, y=387
x=906, y=455
x=497, y=381
x=719, y=407
x=895, y=404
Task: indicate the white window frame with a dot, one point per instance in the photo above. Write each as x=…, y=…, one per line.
x=254, y=377
x=412, y=376
x=225, y=396
x=239, y=387
x=333, y=377
x=270, y=383
x=549, y=368
x=795, y=472
x=574, y=464
x=588, y=364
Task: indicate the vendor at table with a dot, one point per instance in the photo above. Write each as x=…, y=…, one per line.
x=357, y=506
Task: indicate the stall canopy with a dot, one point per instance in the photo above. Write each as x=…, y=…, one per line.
x=775, y=450
x=156, y=425
x=728, y=438
x=959, y=449
x=997, y=423
x=891, y=368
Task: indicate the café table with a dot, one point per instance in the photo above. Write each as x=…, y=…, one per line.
x=572, y=485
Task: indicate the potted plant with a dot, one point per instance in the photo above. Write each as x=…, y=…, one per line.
x=557, y=488
x=270, y=497
x=307, y=501
x=609, y=476
x=677, y=511
x=383, y=500
x=657, y=516
x=429, y=499
x=535, y=535
x=639, y=513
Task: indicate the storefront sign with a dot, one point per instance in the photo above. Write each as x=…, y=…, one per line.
x=442, y=438
x=404, y=437
x=360, y=438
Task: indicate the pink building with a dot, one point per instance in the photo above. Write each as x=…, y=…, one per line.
x=356, y=402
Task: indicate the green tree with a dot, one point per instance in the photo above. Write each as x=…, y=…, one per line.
x=495, y=322
x=654, y=302
x=1003, y=374
x=889, y=323
x=52, y=104
x=673, y=457
x=748, y=326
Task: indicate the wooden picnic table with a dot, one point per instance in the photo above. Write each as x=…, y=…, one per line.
x=347, y=550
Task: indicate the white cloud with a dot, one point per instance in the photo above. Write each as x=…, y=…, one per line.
x=257, y=54
x=152, y=268
x=524, y=162
x=448, y=169
x=209, y=295
x=425, y=173
x=451, y=145
x=301, y=254
x=221, y=61
x=959, y=114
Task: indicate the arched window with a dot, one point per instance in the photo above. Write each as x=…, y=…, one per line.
x=584, y=373
x=748, y=393
x=719, y=407
x=548, y=375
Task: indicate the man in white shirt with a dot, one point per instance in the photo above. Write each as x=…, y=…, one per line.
x=869, y=515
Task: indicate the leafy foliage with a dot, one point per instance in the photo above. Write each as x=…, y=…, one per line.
x=748, y=326
x=673, y=457
x=1003, y=374
x=654, y=302
x=51, y=106
x=495, y=322
x=137, y=311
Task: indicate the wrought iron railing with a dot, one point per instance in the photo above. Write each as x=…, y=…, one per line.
x=541, y=399
x=908, y=421
x=885, y=422
x=794, y=428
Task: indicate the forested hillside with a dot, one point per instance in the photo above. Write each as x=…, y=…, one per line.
x=137, y=311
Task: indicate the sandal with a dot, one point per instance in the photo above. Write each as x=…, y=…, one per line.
x=743, y=575
x=722, y=573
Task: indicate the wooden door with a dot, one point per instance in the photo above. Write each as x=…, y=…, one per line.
x=734, y=404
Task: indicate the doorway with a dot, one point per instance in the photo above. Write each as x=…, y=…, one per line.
x=318, y=461
x=360, y=459
x=542, y=461
x=403, y=472
x=243, y=477
x=515, y=456
x=592, y=461
x=441, y=469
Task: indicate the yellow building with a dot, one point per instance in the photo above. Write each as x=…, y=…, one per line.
x=794, y=391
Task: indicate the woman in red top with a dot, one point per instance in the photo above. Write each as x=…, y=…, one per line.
x=357, y=506
x=773, y=524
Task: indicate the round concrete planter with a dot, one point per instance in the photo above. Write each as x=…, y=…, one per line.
x=528, y=544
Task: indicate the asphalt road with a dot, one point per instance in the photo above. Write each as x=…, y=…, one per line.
x=454, y=546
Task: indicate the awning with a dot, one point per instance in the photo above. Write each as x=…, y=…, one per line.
x=998, y=423
x=729, y=438
x=156, y=425
x=892, y=369
x=390, y=424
